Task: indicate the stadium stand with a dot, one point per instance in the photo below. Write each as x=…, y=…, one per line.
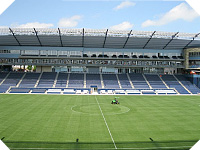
x=110, y=81
x=3, y=88
x=93, y=80
x=87, y=52
x=138, y=81
x=62, y=80
x=76, y=80
x=191, y=87
x=47, y=79
x=11, y=80
x=2, y=76
x=173, y=83
x=155, y=81
x=29, y=80
x=76, y=83
x=125, y=83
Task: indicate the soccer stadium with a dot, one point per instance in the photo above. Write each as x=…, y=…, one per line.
x=99, y=89
x=79, y=72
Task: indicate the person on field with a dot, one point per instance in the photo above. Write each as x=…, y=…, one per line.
x=115, y=101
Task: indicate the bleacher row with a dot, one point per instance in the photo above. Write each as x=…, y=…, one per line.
x=15, y=82
x=88, y=91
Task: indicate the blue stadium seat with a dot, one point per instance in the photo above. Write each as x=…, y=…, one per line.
x=173, y=83
x=12, y=80
x=124, y=81
x=47, y=79
x=192, y=88
x=138, y=81
x=29, y=80
x=76, y=80
x=155, y=81
x=110, y=81
x=62, y=80
x=93, y=80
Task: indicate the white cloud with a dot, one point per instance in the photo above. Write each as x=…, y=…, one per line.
x=182, y=11
x=122, y=26
x=124, y=4
x=69, y=22
x=32, y=25
x=4, y=4
x=195, y=5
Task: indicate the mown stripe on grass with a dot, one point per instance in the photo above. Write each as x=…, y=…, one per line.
x=151, y=148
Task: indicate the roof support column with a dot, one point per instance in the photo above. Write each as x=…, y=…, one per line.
x=83, y=38
x=127, y=38
x=14, y=36
x=105, y=38
x=171, y=40
x=149, y=39
x=192, y=40
x=37, y=37
x=60, y=37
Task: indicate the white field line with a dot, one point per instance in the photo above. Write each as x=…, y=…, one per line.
x=72, y=109
x=106, y=123
x=151, y=148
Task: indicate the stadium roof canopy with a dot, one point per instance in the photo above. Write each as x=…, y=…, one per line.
x=90, y=38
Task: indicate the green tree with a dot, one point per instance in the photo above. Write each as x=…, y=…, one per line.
x=29, y=67
x=34, y=68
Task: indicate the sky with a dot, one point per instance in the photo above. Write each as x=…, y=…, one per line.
x=139, y=15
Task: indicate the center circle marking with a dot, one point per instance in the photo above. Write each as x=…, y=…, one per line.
x=93, y=109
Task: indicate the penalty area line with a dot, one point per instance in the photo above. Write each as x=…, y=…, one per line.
x=106, y=123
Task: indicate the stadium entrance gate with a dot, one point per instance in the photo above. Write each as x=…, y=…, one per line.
x=94, y=89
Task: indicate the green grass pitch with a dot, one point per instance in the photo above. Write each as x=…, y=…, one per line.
x=56, y=121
